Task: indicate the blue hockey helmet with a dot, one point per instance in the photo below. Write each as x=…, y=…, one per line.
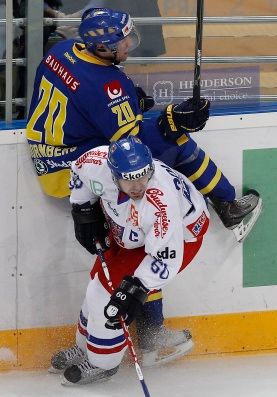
x=108, y=27
x=130, y=159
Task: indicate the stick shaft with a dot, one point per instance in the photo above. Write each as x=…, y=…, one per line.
x=198, y=51
x=124, y=327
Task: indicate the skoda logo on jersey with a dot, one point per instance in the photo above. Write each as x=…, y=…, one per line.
x=131, y=176
x=40, y=167
x=166, y=254
x=113, y=89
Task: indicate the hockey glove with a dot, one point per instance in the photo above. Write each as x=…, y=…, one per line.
x=176, y=120
x=146, y=102
x=90, y=226
x=125, y=302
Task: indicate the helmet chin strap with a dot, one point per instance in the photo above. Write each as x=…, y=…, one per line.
x=115, y=181
x=112, y=58
x=115, y=62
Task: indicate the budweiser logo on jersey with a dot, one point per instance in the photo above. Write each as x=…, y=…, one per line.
x=62, y=72
x=131, y=176
x=93, y=156
x=162, y=222
x=200, y=226
x=113, y=89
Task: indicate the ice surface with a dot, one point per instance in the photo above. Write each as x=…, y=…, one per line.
x=232, y=376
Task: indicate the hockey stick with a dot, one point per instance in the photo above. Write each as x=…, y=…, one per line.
x=124, y=327
x=198, y=52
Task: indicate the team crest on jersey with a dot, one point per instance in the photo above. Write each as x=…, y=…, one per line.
x=133, y=218
x=200, y=226
x=113, y=89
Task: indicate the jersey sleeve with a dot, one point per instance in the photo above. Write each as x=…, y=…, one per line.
x=164, y=245
x=80, y=192
x=85, y=173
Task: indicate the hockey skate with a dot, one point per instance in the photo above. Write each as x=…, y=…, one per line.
x=241, y=214
x=63, y=359
x=84, y=373
x=164, y=345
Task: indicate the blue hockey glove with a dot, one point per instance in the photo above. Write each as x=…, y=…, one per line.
x=176, y=120
x=146, y=102
x=125, y=302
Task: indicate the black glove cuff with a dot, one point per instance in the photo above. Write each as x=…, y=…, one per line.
x=134, y=287
x=87, y=213
x=146, y=102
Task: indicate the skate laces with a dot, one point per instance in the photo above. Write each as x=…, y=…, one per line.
x=85, y=366
x=243, y=201
x=73, y=352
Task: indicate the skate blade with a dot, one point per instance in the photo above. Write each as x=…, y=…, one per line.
x=65, y=382
x=53, y=370
x=166, y=354
x=242, y=230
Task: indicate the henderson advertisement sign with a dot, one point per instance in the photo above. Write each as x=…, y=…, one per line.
x=224, y=86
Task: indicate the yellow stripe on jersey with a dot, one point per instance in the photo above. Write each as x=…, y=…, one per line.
x=135, y=131
x=131, y=128
x=79, y=52
x=212, y=184
x=56, y=184
x=183, y=139
x=155, y=296
x=200, y=170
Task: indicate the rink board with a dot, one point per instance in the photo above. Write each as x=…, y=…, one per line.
x=259, y=254
x=44, y=273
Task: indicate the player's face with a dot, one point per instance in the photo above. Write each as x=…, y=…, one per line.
x=128, y=44
x=122, y=51
x=136, y=188
x=123, y=48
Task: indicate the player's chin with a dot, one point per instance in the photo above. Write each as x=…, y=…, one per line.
x=137, y=196
x=123, y=57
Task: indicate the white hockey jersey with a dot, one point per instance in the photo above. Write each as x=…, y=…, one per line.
x=170, y=213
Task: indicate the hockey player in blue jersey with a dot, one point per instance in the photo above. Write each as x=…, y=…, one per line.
x=82, y=100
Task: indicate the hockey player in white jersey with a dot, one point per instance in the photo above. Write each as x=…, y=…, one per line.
x=157, y=220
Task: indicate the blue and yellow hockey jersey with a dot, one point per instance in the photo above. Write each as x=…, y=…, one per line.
x=80, y=102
